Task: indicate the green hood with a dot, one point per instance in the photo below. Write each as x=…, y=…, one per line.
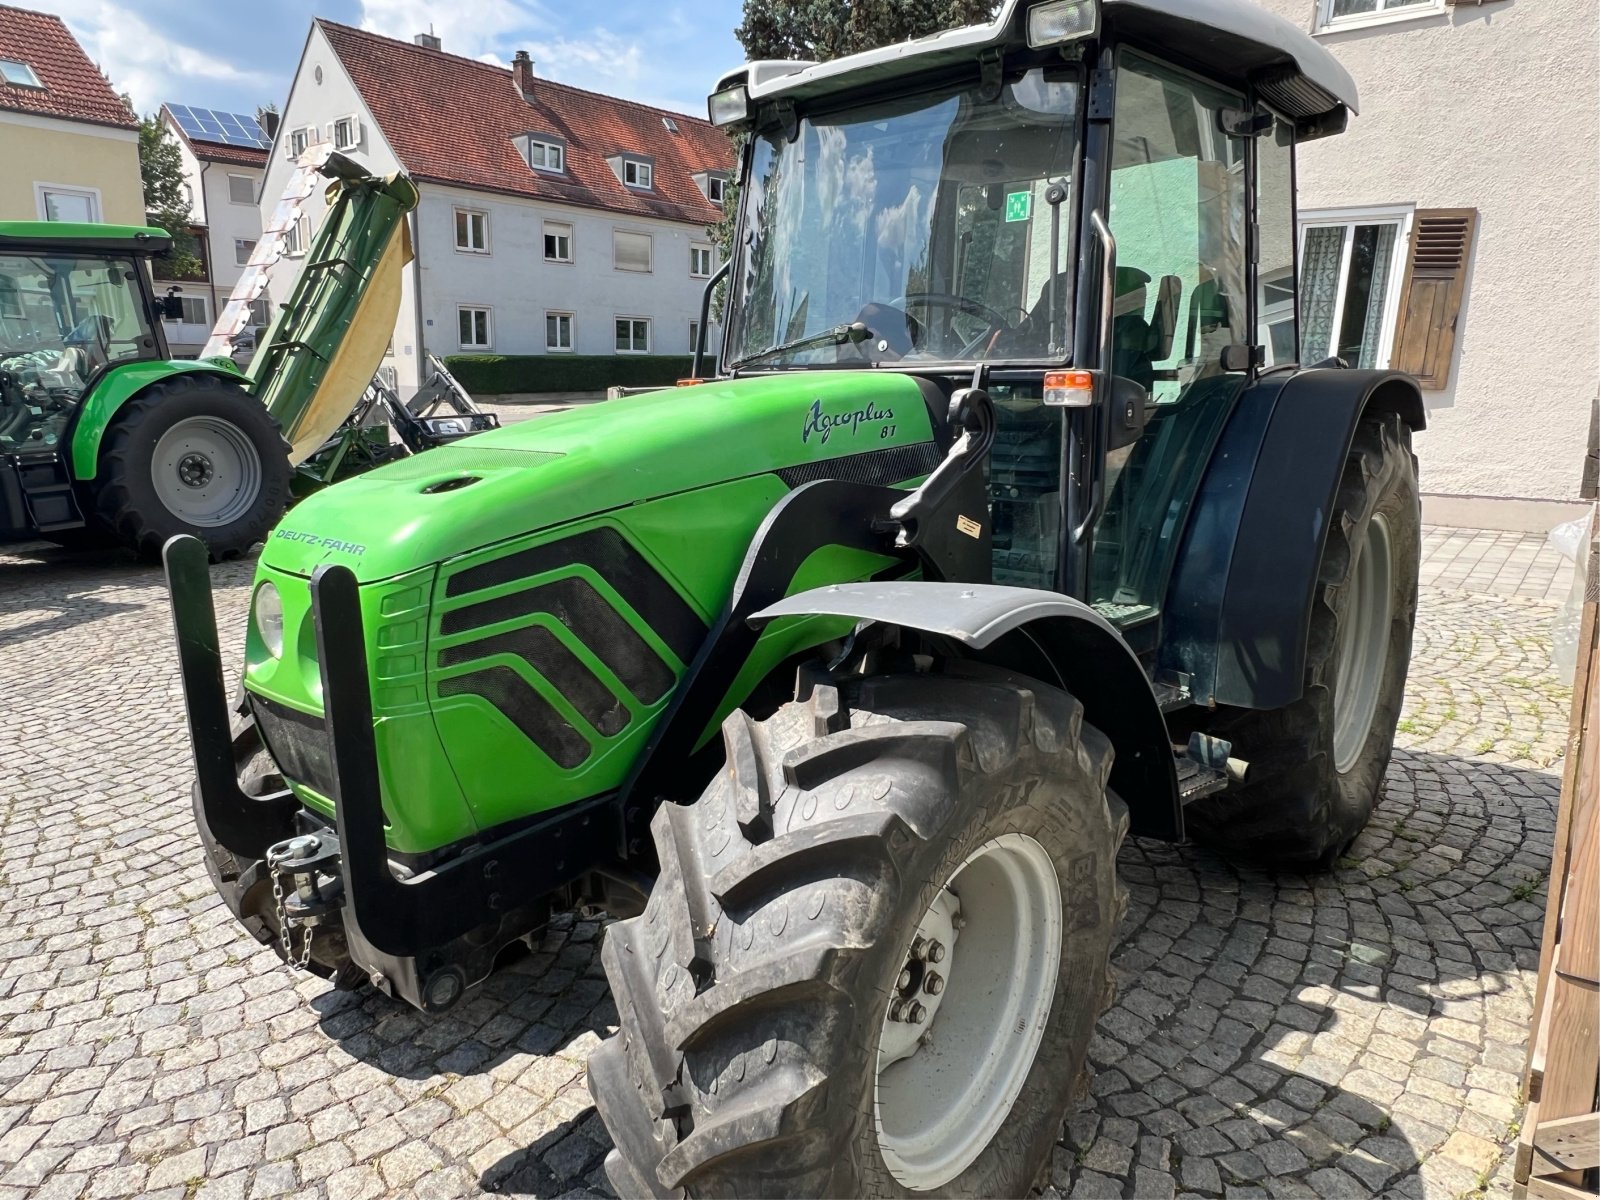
x=591, y=459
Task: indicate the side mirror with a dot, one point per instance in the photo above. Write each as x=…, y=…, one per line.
x=171, y=308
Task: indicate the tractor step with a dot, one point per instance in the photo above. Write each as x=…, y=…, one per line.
x=1196, y=780
x=47, y=492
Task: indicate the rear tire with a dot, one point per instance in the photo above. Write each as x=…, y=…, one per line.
x=227, y=481
x=1317, y=765
x=754, y=992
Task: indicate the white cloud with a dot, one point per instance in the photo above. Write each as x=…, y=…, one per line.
x=473, y=28
x=148, y=64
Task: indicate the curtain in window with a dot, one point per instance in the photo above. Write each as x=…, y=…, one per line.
x=1319, y=285
x=1382, y=265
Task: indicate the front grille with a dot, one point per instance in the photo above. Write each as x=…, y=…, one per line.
x=576, y=604
x=298, y=743
x=548, y=655
x=525, y=708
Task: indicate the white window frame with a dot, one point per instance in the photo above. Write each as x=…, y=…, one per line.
x=353, y=122
x=92, y=194
x=251, y=203
x=260, y=307
x=649, y=334
x=1328, y=23
x=572, y=336
x=695, y=250
x=718, y=184
x=185, y=301
x=239, y=242
x=488, y=326
x=570, y=234
x=694, y=334
x=30, y=80
x=644, y=174
x=1345, y=218
x=650, y=268
x=555, y=149
x=297, y=238
x=307, y=136
x=469, y=213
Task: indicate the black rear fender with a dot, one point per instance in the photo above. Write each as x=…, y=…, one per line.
x=1239, y=604
x=1049, y=637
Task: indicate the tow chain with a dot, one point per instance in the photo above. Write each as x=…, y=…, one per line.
x=302, y=963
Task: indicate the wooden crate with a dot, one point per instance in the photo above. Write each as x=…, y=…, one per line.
x=1558, y=1152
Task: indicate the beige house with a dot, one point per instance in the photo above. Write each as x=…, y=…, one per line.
x=1454, y=232
x=70, y=145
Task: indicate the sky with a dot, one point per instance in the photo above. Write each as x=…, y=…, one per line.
x=236, y=55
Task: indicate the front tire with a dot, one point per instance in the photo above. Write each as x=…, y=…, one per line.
x=759, y=1052
x=193, y=454
x=1317, y=765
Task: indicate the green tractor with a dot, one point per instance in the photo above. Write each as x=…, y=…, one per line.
x=1012, y=526
x=103, y=437
x=100, y=432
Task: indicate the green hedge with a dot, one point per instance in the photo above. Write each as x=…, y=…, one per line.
x=498, y=374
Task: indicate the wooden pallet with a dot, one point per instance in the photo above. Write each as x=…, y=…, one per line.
x=1558, y=1153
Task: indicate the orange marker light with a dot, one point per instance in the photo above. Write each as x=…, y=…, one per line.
x=1069, y=389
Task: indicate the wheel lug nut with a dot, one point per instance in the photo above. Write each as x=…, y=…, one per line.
x=958, y=921
x=915, y=1013
x=933, y=984
x=897, y=1010
x=919, y=948
x=905, y=979
x=936, y=952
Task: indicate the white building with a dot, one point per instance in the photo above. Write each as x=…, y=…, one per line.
x=552, y=220
x=1454, y=231
x=224, y=159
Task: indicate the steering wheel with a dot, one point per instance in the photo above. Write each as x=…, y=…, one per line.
x=998, y=322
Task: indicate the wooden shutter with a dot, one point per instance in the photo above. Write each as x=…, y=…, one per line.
x=1430, y=303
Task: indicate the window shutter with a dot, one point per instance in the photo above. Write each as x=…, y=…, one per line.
x=1430, y=304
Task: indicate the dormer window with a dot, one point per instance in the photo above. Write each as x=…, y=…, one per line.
x=543, y=152
x=19, y=73
x=637, y=174
x=714, y=184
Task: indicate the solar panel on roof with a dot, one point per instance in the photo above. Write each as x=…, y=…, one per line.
x=209, y=125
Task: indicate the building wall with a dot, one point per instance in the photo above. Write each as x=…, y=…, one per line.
x=321, y=93
x=72, y=154
x=515, y=281
x=1490, y=107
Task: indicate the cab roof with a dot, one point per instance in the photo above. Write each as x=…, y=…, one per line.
x=1237, y=40
x=91, y=237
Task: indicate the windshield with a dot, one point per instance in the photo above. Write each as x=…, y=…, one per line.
x=61, y=320
x=933, y=228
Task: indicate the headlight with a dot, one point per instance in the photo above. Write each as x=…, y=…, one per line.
x=729, y=106
x=1060, y=21
x=268, y=610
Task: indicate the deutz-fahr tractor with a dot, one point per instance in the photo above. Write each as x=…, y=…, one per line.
x=1013, y=526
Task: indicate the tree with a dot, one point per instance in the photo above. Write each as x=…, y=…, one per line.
x=819, y=30
x=165, y=202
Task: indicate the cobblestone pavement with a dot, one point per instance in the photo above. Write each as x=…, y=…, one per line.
x=1275, y=1034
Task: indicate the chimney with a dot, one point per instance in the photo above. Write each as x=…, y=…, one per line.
x=522, y=74
x=428, y=41
x=268, y=120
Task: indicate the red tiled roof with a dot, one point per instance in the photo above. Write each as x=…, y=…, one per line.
x=74, y=88
x=225, y=152
x=452, y=120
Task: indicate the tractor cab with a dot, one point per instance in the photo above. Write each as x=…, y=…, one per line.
x=1087, y=209
x=74, y=301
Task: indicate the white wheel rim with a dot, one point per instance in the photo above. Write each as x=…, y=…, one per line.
x=945, y=1085
x=1363, y=645
x=206, y=471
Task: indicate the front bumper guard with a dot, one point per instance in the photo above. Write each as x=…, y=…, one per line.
x=399, y=928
